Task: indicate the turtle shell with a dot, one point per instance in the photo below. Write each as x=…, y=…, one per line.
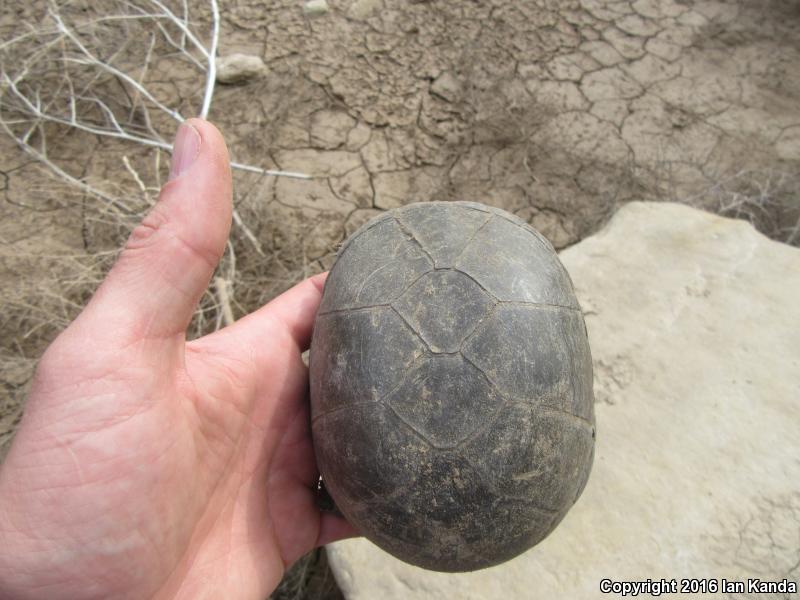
x=451, y=385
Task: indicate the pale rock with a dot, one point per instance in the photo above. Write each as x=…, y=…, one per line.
x=691, y=319
x=239, y=68
x=315, y=8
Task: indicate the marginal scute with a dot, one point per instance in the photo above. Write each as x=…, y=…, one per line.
x=543, y=457
x=377, y=269
x=515, y=220
x=525, y=523
x=539, y=354
x=445, y=399
x=354, y=476
x=352, y=364
x=444, y=307
x=515, y=266
x=449, y=503
x=443, y=228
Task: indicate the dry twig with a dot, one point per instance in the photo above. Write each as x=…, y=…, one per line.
x=116, y=74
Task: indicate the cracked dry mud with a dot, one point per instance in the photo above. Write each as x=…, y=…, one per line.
x=555, y=111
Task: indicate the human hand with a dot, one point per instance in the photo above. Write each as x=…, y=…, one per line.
x=146, y=466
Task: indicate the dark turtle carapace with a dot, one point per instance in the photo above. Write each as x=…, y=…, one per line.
x=451, y=385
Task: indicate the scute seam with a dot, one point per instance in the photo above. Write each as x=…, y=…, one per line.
x=343, y=407
x=472, y=237
x=404, y=228
x=353, y=309
x=382, y=399
x=573, y=419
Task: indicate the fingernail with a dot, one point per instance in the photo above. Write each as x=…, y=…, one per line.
x=185, y=150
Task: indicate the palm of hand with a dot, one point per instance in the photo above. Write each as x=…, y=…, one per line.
x=148, y=466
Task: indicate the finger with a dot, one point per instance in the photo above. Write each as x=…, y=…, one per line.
x=333, y=528
x=152, y=290
x=292, y=312
x=297, y=308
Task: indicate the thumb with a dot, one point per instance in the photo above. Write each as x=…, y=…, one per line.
x=152, y=290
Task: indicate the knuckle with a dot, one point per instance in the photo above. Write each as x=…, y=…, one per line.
x=157, y=229
x=144, y=233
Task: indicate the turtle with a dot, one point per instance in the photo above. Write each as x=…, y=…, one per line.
x=451, y=385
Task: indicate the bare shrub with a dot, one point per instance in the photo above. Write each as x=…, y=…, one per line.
x=309, y=578
x=115, y=76
x=91, y=94
x=767, y=198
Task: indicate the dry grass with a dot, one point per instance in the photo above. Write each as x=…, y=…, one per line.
x=310, y=578
x=94, y=117
x=769, y=199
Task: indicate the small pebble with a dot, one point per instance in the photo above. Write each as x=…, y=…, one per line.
x=315, y=8
x=239, y=68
